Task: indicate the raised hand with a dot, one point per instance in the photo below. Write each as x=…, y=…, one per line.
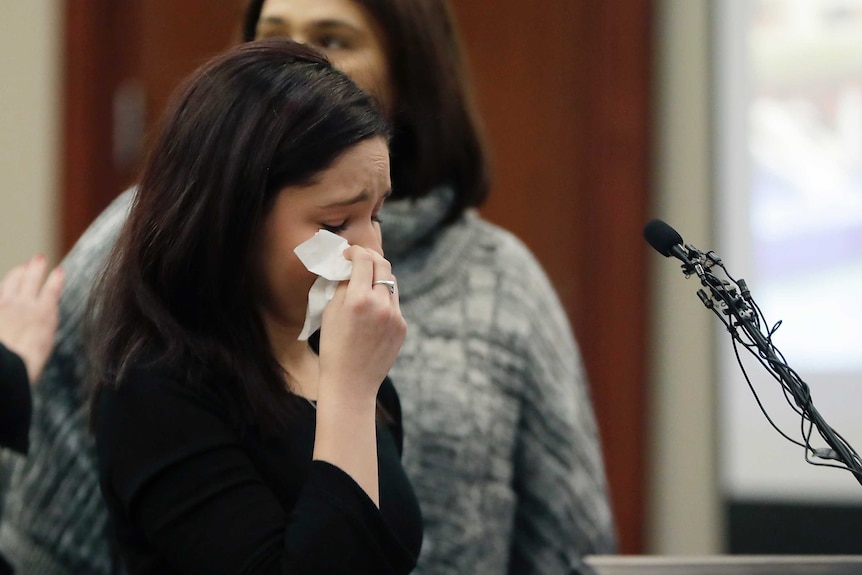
x=28, y=312
x=362, y=329
x=361, y=334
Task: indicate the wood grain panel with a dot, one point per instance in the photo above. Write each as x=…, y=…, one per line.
x=100, y=52
x=565, y=93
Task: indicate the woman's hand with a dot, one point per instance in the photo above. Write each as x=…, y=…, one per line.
x=28, y=312
x=361, y=333
x=362, y=330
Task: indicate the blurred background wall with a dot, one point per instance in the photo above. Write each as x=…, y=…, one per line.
x=30, y=35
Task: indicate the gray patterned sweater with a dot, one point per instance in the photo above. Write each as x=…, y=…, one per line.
x=500, y=437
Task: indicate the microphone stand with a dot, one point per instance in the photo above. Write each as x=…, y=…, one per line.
x=731, y=301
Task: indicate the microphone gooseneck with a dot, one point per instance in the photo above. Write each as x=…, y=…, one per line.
x=731, y=301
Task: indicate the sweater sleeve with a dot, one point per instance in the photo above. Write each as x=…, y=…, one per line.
x=179, y=483
x=15, y=402
x=563, y=510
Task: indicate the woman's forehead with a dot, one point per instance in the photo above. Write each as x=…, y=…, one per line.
x=310, y=12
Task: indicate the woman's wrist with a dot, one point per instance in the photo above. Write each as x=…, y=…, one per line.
x=349, y=396
x=346, y=436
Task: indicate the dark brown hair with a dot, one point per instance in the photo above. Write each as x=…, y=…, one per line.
x=436, y=138
x=179, y=287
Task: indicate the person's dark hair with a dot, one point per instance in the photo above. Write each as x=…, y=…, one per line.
x=436, y=138
x=180, y=286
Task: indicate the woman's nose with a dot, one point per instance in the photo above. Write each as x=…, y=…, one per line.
x=367, y=236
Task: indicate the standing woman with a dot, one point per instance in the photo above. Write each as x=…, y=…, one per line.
x=225, y=443
x=500, y=437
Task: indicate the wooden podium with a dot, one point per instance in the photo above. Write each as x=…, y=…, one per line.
x=721, y=565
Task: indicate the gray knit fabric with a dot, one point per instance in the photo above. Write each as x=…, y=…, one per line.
x=500, y=438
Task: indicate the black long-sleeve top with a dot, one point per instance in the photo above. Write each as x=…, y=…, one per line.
x=15, y=401
x=15, y=411
x=187, y=493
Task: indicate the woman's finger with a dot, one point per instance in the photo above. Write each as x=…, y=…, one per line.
x=383, y=273
x=363, y=269
x=50, y=293
x=12, y=282
x=33, y=276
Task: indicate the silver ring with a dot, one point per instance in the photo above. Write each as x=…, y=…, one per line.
x=388, y=283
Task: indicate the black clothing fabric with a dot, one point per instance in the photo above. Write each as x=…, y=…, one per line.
x=15, y=402
x=189, y=493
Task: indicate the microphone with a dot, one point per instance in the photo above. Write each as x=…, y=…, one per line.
x=731, y=301
x=666, y=240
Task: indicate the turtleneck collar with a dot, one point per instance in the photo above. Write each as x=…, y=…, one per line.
x=407, y=223
x=426, y=254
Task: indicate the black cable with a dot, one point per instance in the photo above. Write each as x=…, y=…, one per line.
x=757, y=398
x=732, y=303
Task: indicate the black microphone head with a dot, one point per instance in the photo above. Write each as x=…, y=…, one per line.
x=662, y=237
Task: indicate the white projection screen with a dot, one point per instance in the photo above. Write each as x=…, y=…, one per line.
x=788, y=128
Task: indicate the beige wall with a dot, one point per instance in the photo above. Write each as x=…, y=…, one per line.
x=29, y=128
x=684, y=511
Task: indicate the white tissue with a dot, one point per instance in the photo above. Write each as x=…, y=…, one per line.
x=322, y=254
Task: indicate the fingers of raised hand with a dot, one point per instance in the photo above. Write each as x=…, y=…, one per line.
x=33, y=276
x=384, y=281
x=365, y=299
x=53, y=287
x=28, y=312
x=369, y=270
x=363, y=265
x=26, y=285
x=11, y=284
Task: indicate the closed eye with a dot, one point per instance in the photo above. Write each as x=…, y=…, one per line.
x=337, y=228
